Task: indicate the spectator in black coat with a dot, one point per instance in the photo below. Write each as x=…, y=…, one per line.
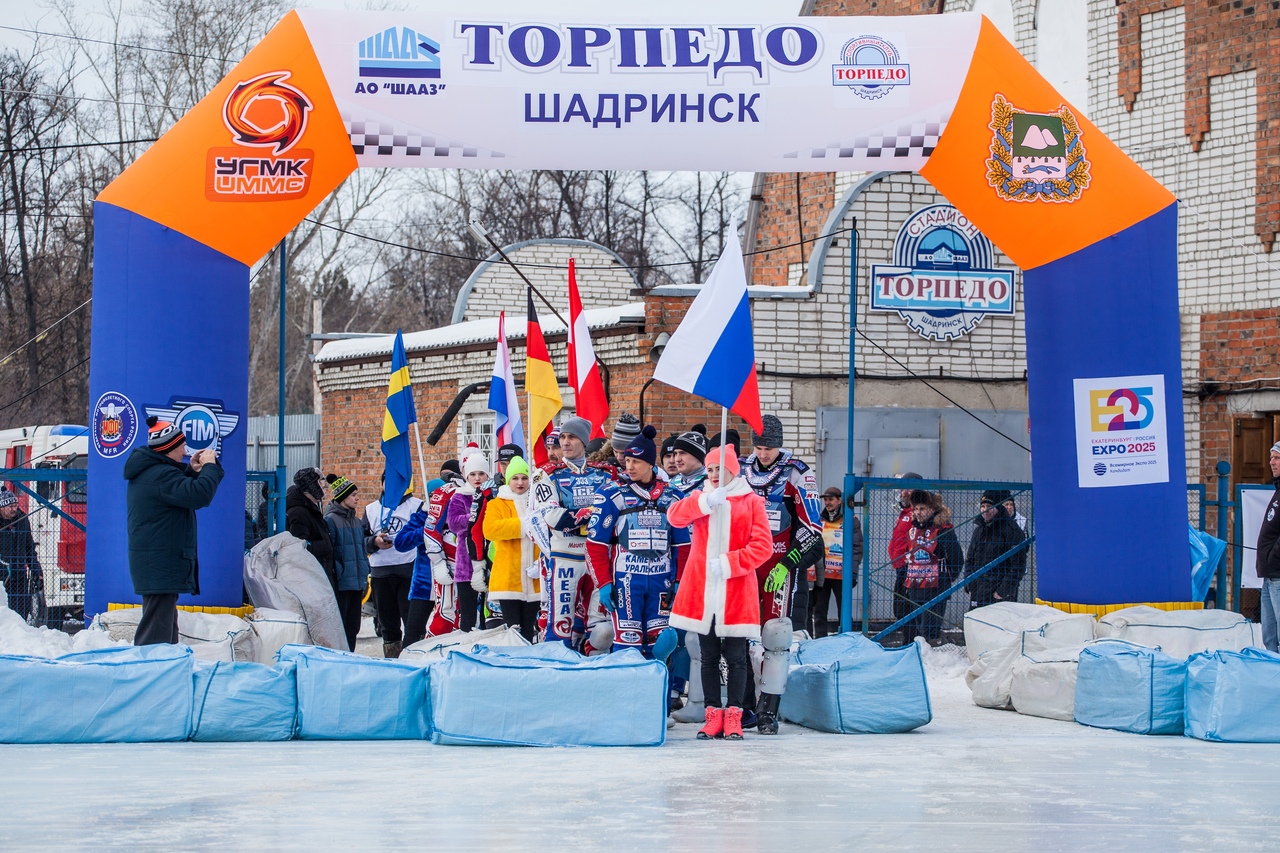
x=994, y=533
x=161, y=501
x=303, y=519
x=19, y=566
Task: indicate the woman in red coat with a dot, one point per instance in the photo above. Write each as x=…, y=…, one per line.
x=717, y=597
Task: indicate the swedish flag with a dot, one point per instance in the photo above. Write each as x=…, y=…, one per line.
x=395, y=429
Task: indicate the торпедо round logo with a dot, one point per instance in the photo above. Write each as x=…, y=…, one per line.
x=114, y=424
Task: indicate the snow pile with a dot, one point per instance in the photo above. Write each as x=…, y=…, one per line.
x=19, y=638
x=943, y=662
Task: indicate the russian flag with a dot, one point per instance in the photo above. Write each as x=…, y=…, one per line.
x=503, y=401
x=712, y=353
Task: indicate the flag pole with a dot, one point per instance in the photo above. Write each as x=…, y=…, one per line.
x=724, y=444
x=422, y=468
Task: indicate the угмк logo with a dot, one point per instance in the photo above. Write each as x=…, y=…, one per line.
x=269, y=114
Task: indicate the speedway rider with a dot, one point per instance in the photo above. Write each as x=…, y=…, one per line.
x=633, y=551
x=791, y=504
x=560, y=505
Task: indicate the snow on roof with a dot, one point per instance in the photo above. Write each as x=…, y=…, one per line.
x=756, y=291
x=474, y=332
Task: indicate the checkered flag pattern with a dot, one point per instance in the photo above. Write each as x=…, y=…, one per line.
x=380, y=138
x=916, y=140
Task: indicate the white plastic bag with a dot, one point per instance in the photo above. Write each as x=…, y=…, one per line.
x=996, y=625
x=281, y=574
x=1179, y=633
x=276, y=629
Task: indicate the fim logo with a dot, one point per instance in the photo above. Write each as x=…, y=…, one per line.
x=399, y=54
x=205, y=422
x=269, y=114
x=871, y=67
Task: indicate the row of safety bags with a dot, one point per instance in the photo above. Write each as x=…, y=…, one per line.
x=545, y=697
x=1219, y=696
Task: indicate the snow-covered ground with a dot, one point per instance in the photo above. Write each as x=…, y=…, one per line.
x=973, y=779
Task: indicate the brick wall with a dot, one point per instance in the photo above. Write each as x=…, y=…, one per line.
x=1220, y=39
x=602, y=279
x=1243, y=357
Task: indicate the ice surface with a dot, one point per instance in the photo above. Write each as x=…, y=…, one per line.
x=973, y=779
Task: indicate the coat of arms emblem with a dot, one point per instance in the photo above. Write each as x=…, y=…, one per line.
x=1036, y=156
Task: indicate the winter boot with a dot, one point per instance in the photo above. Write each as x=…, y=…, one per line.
x=391, y=650
x=715, y=725
x=733, y=723
x=692, y=712
x=767, y=713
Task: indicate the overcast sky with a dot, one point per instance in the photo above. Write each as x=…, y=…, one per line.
x=29, y=13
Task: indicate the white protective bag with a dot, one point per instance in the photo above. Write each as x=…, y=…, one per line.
x=996, y=625
x=1179, y=633
x=281, y=574
x=437, y=648
x=211, y=636
x=277, y=629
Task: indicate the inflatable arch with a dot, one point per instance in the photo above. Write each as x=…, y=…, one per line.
x=948, y=96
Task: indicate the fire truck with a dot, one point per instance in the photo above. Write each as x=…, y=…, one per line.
x=55, y=507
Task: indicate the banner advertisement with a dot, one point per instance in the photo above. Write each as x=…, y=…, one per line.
x=1253, y=506
x=530, y=90
x=1121, y=438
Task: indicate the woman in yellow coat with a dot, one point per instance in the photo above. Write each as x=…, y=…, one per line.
x=513, y=579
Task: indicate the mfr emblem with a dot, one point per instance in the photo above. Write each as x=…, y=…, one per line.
x=1036, y=156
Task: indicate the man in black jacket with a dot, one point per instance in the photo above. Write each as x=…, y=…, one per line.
x=994, y=533
x=1268, y=560
x=162, y=500
x=19, y=566
x=304, y=519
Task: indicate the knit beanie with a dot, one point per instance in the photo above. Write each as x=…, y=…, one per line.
x=451, y=468
x=730, y=463
x=163, y=436
x=579, y=428
x=668, y=446
x=553, y=437
x=642, y=447
x=341, y=487
x=517, y=466
x=626, y=430
x=996, y=496
x=8, y=498
x=476, y=461
x=308, y=482
x=730, y=438
x=772, y=435
x=507, y=452
x=693, y=442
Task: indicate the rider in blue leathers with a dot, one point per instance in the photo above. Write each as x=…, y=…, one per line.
x=634, y=551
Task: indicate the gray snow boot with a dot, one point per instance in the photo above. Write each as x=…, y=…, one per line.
x=391, y=650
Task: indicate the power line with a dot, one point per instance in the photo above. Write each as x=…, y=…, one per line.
x=5, y=360
x=437, y=253
x=43, y=384
x=110, y=144
x=88, y=40
x=52, y=97
x=939, y=393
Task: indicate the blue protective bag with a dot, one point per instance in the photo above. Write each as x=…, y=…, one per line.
x=345, y=696
x=128, y=694
x=485, y=698
x=1130, y=689
x=1232, y=696
x=244, y=701
x=848, y=684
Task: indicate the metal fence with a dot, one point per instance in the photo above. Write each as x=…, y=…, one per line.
x=881, y=600
x=261, y=501
x=42, y=542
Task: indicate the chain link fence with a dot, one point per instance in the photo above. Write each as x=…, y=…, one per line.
x=42, y=542
x=885, y=596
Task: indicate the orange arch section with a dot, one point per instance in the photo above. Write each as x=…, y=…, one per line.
x=278, y=148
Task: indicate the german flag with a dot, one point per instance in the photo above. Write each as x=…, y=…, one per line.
x=540, y=384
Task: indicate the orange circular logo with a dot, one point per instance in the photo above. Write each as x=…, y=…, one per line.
x=266, y=112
